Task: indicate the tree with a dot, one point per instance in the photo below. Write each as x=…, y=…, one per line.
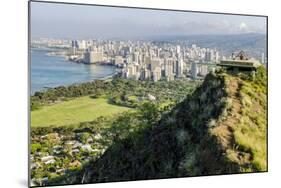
x=149, y=112
x=35, y=147
x=84, y=137
x=97, y=93
x=35, y=105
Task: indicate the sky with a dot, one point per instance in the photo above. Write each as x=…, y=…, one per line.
x=80, y=21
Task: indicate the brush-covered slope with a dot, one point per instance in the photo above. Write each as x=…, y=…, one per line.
x=219, y=128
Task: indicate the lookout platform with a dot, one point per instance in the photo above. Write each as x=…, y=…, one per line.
x=240, y=62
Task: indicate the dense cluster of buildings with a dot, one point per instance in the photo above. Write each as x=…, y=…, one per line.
x=142, y=60
x=147, y=60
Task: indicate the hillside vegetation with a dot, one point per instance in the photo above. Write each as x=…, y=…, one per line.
x=219, y=128
x=73, y=126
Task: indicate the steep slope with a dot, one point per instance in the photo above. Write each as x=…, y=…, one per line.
x=220, y=128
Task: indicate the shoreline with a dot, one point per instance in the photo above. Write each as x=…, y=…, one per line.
x=106, y=78
x=50, y=53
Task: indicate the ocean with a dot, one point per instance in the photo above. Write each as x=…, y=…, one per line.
x=52, y=71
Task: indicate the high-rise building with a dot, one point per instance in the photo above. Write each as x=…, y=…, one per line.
x=208, y=55
x=93, y=57
x=136, y=57
x=129, y=59
x=179, y=67
x=194, y=70
x=178, y=51
x=158, y=52
x=211, y=55
x=155, y=62
x=168, y=67
x=119, y=61
x=156, y=74
x=127, y=72
x=82, y=45
x=130, y=71
x=87, y=56
x=147, y=60
x=217, y=56
x=145, y=74
x=74, y=46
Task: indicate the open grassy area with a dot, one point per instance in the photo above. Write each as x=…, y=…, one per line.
x=74, y=111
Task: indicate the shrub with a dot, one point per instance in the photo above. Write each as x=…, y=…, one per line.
x=211, y=123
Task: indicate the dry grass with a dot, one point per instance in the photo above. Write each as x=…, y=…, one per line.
x=243, y=133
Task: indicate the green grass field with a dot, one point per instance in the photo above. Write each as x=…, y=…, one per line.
x=77, y=110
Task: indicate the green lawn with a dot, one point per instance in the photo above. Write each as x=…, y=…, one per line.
x=74, y=111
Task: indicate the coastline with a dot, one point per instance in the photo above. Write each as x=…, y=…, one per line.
x=106, y=79
x=61, y=54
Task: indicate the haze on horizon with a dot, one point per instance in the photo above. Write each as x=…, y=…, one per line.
x=80, y=21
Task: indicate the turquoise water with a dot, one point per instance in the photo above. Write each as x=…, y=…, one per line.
x=51, y=71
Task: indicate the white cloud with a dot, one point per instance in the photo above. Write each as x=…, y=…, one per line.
x=243, y=27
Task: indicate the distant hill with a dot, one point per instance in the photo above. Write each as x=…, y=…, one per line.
x=219, y=129
x=252, y=43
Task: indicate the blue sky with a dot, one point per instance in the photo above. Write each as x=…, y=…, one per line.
x=79, y=21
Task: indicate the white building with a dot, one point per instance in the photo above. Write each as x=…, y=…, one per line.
x=119, y=61
x=155, y=62
x=93, y=57
x=178, y=51
x=156, y=74
x=82, y=45
x=130, y=72
x=168, y=68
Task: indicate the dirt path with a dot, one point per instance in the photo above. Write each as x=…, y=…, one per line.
x=224, y=131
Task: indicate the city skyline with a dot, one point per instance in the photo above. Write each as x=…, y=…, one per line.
x=76, y=21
